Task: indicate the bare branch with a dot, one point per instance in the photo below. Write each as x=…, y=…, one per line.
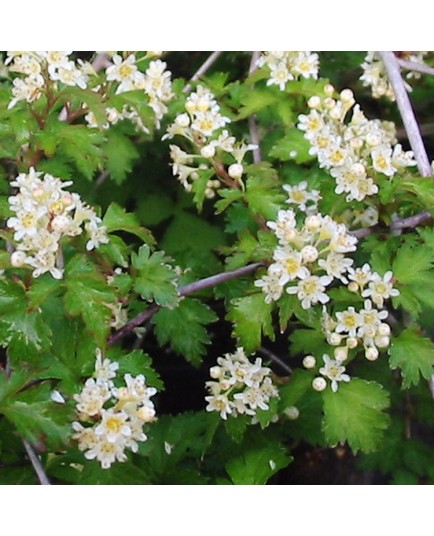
x=202, y=70
x=407, y=114
x=273, y=357
x=415, y=66
x=202, y=284
x=253, y=128
x=36, y=462
x=411, y=221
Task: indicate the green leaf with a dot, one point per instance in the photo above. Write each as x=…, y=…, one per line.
x=118, y=219
x=293, y=146
x=87, y=295
x=308, y=341
x=414, y=355
x=183, y=328
x=423, y=188
x=121, y=154
x=252, y=318
x=411, y=262
x=256, y=100
x=264, y=195
x=257, y=463
x=155, y=280
x=36, y=422
x=355, y=414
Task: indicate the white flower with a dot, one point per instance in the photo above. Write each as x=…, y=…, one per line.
x=311, y=290
x=334, y=371
x=219, y=403
x=380, y=288
x=113, y=426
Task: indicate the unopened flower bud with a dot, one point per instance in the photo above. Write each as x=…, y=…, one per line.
x=215, y=372
x=60, y=223
x=309, y=254
x=235, y=171
x=371, y=353
x=353, y=286
x=382, y=341
x=292, y=413
x=341, y=353
x=329, y=90
x=384, y=330
x=335, y=339
x=346, y=95
x=319, y=384
x=314, y=102
x=352, y=342
x=208, y=151
x=309, y=362
x=313, y=222
x=18, y=259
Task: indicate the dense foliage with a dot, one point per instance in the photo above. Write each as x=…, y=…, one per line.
x=204, y=279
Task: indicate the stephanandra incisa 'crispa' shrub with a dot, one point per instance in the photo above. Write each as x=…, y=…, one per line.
x=145, y=213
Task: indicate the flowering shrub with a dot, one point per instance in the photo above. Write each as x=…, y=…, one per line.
x=201, y=278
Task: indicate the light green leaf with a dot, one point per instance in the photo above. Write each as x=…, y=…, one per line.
x=355, y=413
x=252, y=318
x=155, y=279
x=87, y=295
x=414, y=355
x=257, y=463
x=293, y=146
x=120, y=153
x=118, y=219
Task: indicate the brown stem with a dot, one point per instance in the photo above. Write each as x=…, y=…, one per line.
x=202, y=70
x=36, y=463
x=202, y=284
x=414, y=137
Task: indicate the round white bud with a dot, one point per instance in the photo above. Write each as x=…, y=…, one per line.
x=292, y=413
x=309, y=253
x=182, y=120
x=346, y=95
x=194, y=175
x=215, y=372
x=293, y=154
x=309, y=362
x=341, y=353
x=353, y=286
x=314, y=102
x=208, y=151
x=209, y=193
x=313, y=222
x=382, y=341
x=335, y=113
x=352, y=342
x=358, y=169
x=384, y=330
x=235, y=171
x=371, y=353
x=60, y=223
x=335, y=339
x=329, y=103
x=146, y=414
x=319, y=384
x=18, y=259
x=329, y=90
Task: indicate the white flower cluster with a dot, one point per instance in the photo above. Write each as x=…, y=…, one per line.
x=365, y=327
x=354, y=151
x=44, y=214
x=308, y=258
x=375, y=75
x=42, y=67
x=241, y=387
x=111, y=430
x=155, y=82
x=286, y=66
x=201, y=124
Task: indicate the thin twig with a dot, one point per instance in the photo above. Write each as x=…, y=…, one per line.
x=36, y=462
x=202, y=284
x=276, y=359
x=253, y=128
x=202, y=70
x=414, y=137
x=411, y=221
x=415, y=66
